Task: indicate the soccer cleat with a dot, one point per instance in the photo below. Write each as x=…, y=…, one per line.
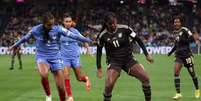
x=197, y=93
x=88, y=84
x=177, y=96
x=48, y=98
x=70, y=98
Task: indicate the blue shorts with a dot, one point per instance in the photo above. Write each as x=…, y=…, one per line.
x=72, y=62
x=54, y=64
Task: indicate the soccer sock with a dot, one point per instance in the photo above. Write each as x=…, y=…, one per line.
x=46, y=86
x=147, y=92
x=68, y=87
x=62, y=95
x=12, y=62
x=195, y=81
x=83, y=79
x=194, y=78
x=107, y=97
x=20, y=62
x=177, y=83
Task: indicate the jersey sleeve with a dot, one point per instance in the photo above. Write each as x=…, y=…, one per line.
x=134, y=36
x=70, y=34
x=189, y=34
x=100, y=41
x=24, y=39
x=131, y=33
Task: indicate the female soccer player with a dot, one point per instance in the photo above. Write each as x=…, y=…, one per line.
x=48, y=53
x=71, y=56
x=16, y=51
x=183, y=56
x=118, y=45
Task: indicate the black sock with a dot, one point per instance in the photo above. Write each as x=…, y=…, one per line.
x=20, y=63
x=107, y=97
x=195, y=81
x=12, y=62
x=147, y=92
x=177, y=83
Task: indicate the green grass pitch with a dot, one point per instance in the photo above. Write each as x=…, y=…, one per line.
x=24, y=85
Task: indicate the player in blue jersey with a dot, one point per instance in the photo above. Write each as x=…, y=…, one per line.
x=71, y=56
x=47, y=37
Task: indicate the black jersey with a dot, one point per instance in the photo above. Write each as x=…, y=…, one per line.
x=182, y=42
x=118, y=45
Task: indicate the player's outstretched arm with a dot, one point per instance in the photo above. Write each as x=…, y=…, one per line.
x=98, y=61
x=141, y=44
x=68, y=33
x=22, y=40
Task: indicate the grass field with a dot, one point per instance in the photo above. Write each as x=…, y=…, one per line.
x=24, y=85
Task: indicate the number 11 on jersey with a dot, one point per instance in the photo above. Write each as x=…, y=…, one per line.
x=116, y=43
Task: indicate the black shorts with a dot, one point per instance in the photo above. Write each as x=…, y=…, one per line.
x=186, y=61
x=119, y=65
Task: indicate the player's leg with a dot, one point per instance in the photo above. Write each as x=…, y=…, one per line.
x=79, y=76
x=13, y=60
x=67, y=82
x=82, y=78
x=43, y=69
x=112, y=75
x=56, y=66
x=19, y=59
x=190, y=66
x=177, y=68
x=138, y=71
x=59, y=78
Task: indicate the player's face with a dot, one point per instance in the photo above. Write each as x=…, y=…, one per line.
x=67, y=22
x=48, y=25
x=112, y=25
x=177, y=24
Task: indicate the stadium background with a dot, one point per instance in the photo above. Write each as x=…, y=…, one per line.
x=151, y=19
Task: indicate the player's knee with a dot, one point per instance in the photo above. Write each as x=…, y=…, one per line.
x=146, y=81
x=44, y=75
x=67, y=76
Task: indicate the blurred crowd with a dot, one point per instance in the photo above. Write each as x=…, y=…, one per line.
x=152, y=22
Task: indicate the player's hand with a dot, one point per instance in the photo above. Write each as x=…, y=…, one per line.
x=99, y=73
x=149, y=59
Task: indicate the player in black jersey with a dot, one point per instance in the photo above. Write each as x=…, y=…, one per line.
x=118, y=40
x=16, y=51
x=183, y=55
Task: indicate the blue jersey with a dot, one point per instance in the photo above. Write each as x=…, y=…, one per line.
x=51, y=48
x=69, y=46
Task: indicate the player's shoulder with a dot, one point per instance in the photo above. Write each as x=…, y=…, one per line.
x=101, y=34
x=72, y=29
x=36, y=28
x=185, y=29
x=125, y=28
x=121, y=26
x=59, y=28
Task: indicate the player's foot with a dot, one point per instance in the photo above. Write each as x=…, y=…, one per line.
x=70, y=98
x=11, y=68
x=197, y=93
x=48, y=98
x=88, y=84
x=177, y=96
